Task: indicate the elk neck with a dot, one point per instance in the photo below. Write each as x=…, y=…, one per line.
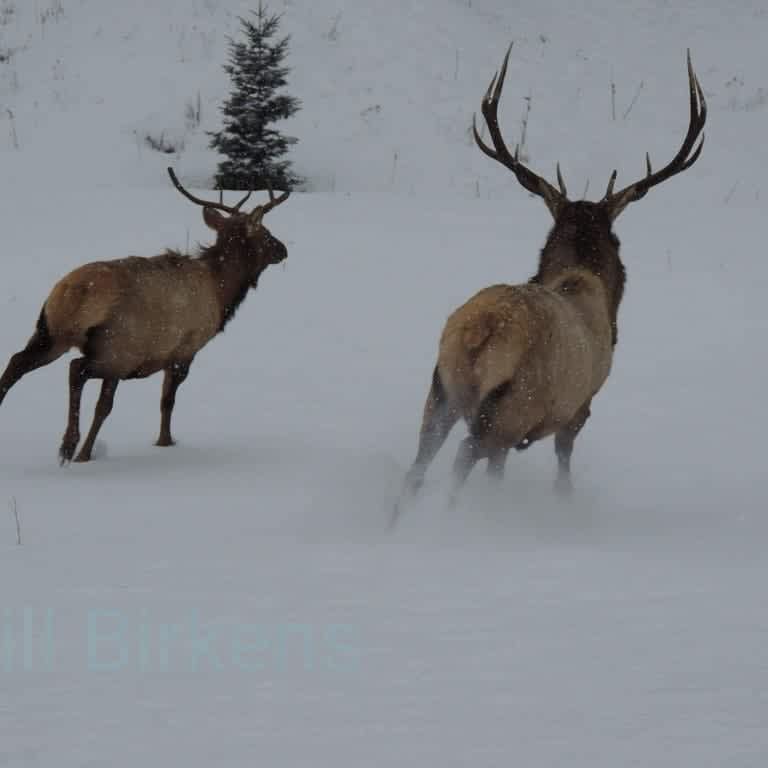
x=582, y=239
x=234, y=270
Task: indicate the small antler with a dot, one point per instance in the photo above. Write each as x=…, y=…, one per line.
x=273, y=201
x=685, y=157
x=198, y=201
x=531, y=181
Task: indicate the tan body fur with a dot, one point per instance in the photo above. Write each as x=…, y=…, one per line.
x=145, y=312
x=551, y=342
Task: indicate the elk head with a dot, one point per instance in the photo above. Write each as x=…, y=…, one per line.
x=612, y=203
x=582, y=234
x=241, y=235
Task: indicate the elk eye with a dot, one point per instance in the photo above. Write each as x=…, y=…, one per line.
x=570, y=285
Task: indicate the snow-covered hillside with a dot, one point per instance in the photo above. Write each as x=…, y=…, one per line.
x=237, y=599
x=388, y=89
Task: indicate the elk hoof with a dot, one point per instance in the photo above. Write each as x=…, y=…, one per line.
x=165, y=442
x=82, y=457
x=67, y=450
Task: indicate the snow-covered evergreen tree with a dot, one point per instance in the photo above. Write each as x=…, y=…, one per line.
x=255, y=151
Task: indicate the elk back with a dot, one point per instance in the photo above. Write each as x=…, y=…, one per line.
x=136, y=314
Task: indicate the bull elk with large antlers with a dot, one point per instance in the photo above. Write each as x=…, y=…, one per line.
x=521, y=362
x=136, y=316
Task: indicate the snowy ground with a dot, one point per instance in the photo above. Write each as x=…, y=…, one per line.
x=237, y=599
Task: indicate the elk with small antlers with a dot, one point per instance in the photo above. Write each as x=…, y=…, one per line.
x=136, y=316
x=521, y=362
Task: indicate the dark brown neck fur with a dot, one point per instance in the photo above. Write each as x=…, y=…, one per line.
x=235, y=265
x=582, y=237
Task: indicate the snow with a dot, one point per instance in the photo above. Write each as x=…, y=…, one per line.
x=625, y=627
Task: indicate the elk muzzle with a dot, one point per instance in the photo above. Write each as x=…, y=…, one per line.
x=278, y=253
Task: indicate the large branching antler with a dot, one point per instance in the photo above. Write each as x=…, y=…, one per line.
x=198, y=201
x=531, y=181
x=685, y=157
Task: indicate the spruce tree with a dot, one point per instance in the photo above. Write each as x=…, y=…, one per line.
x=255, y=151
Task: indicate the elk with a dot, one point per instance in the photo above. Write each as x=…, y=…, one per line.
x=522, y=362
x=133, y=317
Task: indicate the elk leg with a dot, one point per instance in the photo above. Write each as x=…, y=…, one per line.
x=174, y=376
x=438, y=420
x=79, y=372
x=497, y=460
x=103, y=409
x=39, y=352
x=437, y=423
x=564, y=440
x=468, y=455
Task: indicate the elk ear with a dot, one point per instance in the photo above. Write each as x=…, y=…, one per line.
x=213, y=218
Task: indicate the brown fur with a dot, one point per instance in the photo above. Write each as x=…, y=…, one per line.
x=582, y=236
x=553, y=344
x=133, y=317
